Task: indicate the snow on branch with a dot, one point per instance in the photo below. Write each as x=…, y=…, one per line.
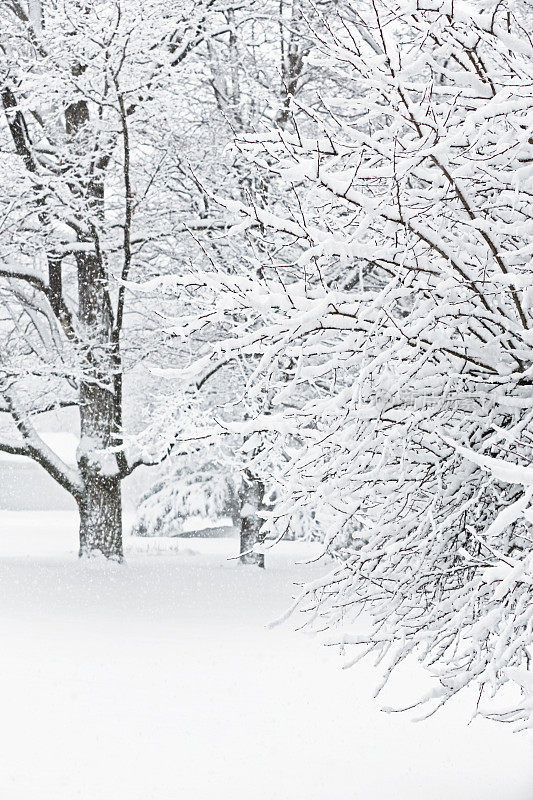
x=384, y=333
x=34, y=447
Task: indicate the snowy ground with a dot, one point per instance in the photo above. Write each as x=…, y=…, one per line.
x=159, y=681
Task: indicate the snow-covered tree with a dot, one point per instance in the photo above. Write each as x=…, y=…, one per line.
x=246, y=79
x=387, y=333
x=87, y=95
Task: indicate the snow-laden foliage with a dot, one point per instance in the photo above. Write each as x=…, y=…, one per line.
x=189, y=487
x=386, y=329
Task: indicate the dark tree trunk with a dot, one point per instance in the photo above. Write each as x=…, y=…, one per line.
x=101, y=517
x=252, y=497
x=100, y=505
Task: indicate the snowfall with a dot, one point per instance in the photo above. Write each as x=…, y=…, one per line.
x=161, y=679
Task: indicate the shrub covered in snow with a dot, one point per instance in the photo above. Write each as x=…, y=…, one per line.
x=186, y=490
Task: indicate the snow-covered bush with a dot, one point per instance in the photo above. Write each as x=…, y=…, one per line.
x=187, y=490
x=389, y=328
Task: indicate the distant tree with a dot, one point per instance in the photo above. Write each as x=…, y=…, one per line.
x=246, y=80
x=388, y=342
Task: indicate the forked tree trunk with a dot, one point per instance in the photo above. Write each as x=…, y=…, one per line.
x=252, y=498
x=100, y=503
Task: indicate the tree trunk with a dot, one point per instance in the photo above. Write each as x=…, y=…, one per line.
x=101, y=517
x=101, y=502
x=251, y=495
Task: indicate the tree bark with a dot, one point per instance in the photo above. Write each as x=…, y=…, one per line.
x=100, y=505
x=252, y=497
x=100, y=509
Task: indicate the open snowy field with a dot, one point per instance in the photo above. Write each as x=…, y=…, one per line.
x=159, y=680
